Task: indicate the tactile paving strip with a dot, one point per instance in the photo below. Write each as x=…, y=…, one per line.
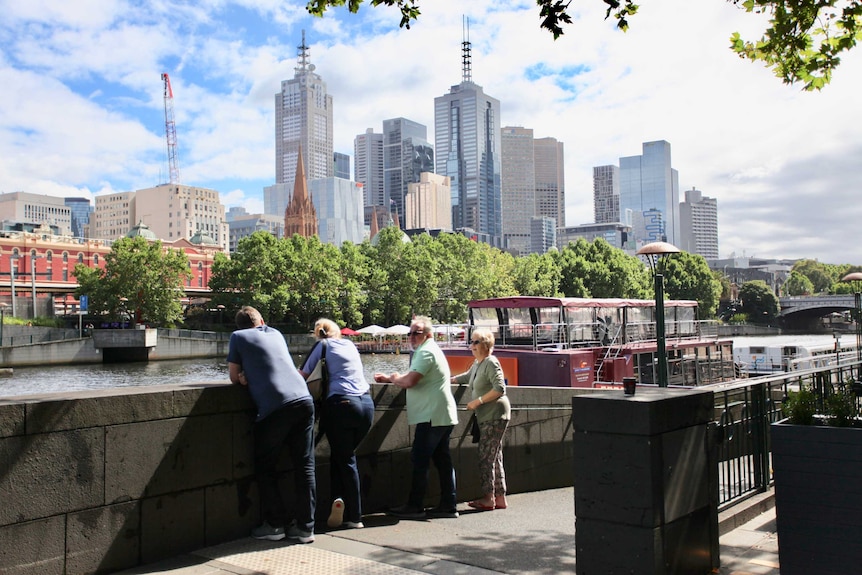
x=277, y=558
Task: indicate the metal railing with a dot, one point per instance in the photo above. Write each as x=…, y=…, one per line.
x=744, y=410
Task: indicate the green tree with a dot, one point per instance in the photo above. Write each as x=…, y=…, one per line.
x=759, y=304
x=403, y=280
x=687, y=276
x=798, y=284
x=803, y=42
x=597, y=269
x=537, y=275
x=821, y=275
x=140, y=279
x=254, y=275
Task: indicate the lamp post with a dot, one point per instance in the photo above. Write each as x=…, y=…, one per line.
x=33, y=259
x=12, y=265
x=3, y=306
x=655, y=254
x=857, y=319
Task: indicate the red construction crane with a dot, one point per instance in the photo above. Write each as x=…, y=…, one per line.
x=171, y=131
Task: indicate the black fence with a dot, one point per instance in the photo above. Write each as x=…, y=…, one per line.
x=743, y=412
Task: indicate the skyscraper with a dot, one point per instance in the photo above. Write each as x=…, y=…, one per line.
x=467, y=149
x=698, y=217
x=81, y=210
x=368, y=167
x=649, y=194
x=550, y=180
x=303, y=117
x=428, y=203
x=518, y=187
x=342, y=165
x=406, y=154
x=606, y=194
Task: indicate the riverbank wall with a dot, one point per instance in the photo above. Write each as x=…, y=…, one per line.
x=170, y=344
x=95, y=482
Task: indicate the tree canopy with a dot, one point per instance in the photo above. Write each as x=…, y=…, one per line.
x=759, y=304
x=140, y=279
x=803, y=43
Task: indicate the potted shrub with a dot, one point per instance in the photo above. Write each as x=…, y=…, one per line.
x=817, y=467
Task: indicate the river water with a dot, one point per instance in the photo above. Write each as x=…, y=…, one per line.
x=32, y=380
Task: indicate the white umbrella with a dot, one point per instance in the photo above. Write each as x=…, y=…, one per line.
x=397, y=330
x=371, y=329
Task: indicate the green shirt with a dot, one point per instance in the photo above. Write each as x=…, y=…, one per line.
x=484, y=376
x=431, y=399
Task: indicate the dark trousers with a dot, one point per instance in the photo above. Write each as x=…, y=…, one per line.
x=432, y=444
x=346, y=420
x=291, y=427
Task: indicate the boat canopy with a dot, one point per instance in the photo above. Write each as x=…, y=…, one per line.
x=573, y=302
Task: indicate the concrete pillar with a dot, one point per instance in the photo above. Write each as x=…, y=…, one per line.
x=646, y=483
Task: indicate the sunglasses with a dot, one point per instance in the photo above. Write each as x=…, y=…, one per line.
x=475, y=342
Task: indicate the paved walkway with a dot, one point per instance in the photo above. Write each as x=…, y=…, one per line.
x=534, y=536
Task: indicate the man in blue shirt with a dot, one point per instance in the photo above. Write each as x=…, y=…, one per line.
x=259, y=359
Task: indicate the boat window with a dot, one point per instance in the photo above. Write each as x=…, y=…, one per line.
x=520, y=322
x=485, y=317
x=756, y=350
x=580, y=324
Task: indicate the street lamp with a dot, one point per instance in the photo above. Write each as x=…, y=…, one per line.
x=655, y=254
x=13, y=263
x=3, y=306
x=857, y=319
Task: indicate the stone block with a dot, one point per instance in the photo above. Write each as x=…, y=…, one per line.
x=232, y=511
x=211, y=398
x=121, y=406
x=50, y=473
x=608, y=548
x=389, y=432
x=11, y=419
x=243, y=445
x=33, y=547
x=103, y=540
x=172, y=525
x=616, y=478
x=152, y=458
x=649, y=412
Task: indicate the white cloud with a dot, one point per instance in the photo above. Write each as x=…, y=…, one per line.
x=82, y=104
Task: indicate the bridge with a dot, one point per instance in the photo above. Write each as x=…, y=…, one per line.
x=799, y=311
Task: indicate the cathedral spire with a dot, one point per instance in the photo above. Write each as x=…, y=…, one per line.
x=300, y=217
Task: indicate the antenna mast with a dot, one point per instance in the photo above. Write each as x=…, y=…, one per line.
x=466, y=47
x=171, y=131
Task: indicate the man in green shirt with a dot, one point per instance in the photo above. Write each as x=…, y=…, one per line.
x=431, y=408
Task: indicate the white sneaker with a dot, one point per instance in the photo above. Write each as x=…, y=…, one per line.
x=336, y=515
x=353, y=525
x=267, y=531
x=297, y=534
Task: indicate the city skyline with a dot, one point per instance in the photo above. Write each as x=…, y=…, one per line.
x=83, y=111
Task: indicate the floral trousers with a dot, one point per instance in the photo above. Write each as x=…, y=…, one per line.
x=492, y=476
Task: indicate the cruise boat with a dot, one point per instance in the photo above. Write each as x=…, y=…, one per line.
x=587, y=342
x=771, y=354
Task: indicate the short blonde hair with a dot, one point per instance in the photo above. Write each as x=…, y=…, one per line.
x=326, y=329
x=484, y=337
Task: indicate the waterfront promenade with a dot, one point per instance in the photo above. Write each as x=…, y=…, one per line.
x=534, y=536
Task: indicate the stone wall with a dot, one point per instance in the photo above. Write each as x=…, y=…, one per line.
x=93, y=482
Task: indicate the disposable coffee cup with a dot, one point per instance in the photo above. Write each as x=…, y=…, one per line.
x=629, y=385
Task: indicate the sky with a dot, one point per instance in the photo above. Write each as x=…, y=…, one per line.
x=82, y=108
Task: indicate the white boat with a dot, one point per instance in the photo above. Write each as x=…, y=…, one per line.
x=771, y=354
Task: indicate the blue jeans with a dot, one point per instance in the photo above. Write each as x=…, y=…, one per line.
x=346, y=420
x=290, y=427
x=432, y=444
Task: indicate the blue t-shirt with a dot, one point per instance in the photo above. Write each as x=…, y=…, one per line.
x=346, y=374
x=273, y=379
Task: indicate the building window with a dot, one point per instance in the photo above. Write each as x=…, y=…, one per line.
x=65, y=275
x=49, y=256
x=80, y=258
x=95, y=259
x=65, y=257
